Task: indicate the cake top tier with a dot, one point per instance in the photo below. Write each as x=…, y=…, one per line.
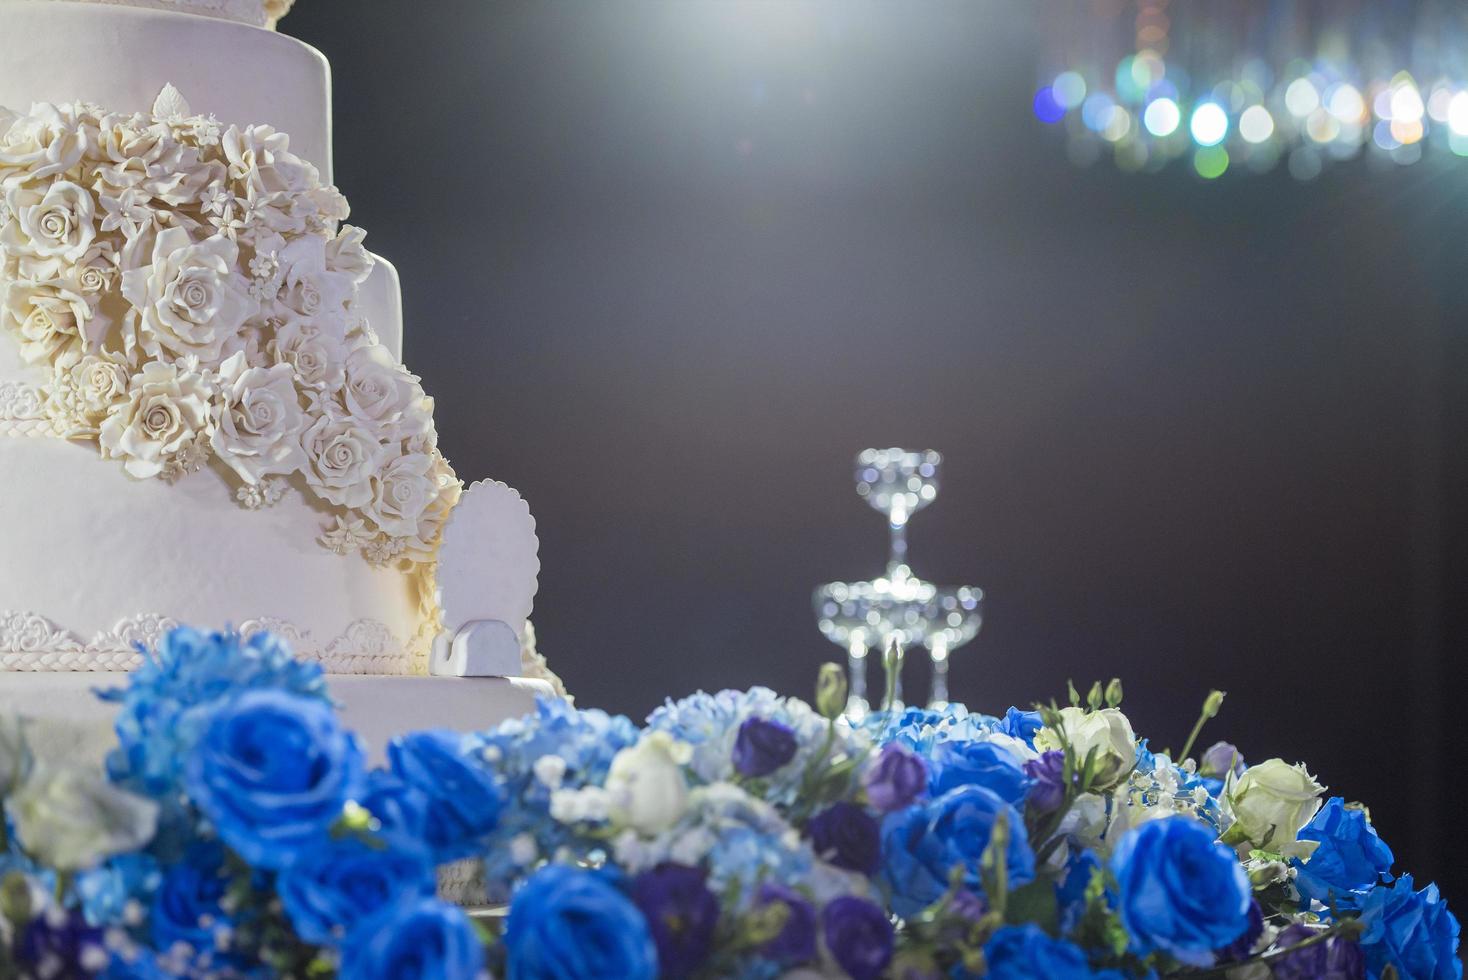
x=261, y=13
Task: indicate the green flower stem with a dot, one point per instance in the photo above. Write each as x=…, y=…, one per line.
x=1210, y=709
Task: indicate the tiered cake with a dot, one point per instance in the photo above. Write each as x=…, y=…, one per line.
x=204, y=417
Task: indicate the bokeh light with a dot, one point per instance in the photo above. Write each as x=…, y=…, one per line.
x=1068, y=89
x=1211, y=162
x=1209, y=124
x=1256, y=124
x=1047, y=109
x=1302, y=98
x=1458, y=114
x=1162, y=117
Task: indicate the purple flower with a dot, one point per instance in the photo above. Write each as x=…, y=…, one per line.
x=1220, y=760
x=796, y=942
x=1334, y=959
x=1240, y=948
x=681, y=913
x=59, y=943
x=847, y=836
x=1047, y=791
x=896, y=779
x=762, y=747
x=859, y=936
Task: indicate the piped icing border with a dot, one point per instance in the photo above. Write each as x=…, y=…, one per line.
x=192, y=293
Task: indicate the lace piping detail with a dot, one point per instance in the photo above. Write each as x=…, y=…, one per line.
x=31, y=642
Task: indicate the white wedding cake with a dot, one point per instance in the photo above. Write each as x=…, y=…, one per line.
x=204, y=417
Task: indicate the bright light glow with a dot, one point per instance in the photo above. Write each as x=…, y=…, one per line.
x=1096, y=111
x=1069, y=89
x=1439, y=103
x=1301, y=98
x=1322, y=127
x=1346, y=103
x=1458, y=114
x=1256, y=124
x=1406, y=132
x=1209, y=124
x=1407, y=104
x=1162, y=117
x=1118, y=124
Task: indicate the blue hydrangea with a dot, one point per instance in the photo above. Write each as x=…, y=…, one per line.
x=711, y=722
x=921, y=729
x=584, y=741
x=169, y=698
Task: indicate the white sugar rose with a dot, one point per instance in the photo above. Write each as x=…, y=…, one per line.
x=135, y=149
x=166, y=409
x=309, y=290
x=95, y=272
x=377, y=387
x=1270, y=804
x=48, y=141
x=192, y=300
x=48, y=318
x=1107, y=732
x=647, y=785
x=346, y=254
x=316, y=356
x=86, y=391
x=401, y=492
x=342, y=456
x=58, y=221
x=258, y=420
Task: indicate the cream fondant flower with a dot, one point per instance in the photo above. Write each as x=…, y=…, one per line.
x=191, y=300
x=401, y=492
x=342, y=455
x=85, y=392
x=258, y=420
x=48, y=141
x=166, y=410
x=55, y=222
x=48, y=318
x=346, y=254
x=377, y=388
x=316, y=356
x=309, y=290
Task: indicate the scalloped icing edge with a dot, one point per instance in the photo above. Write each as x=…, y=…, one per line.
x=448, y=527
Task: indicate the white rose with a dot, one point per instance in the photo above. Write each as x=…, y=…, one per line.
x=346, y=254
x=316, y=356
x=377, y=387
x=648, y=788
x=135, y=149
x=69, y=819
x=422, y=543
x=58, y=222
x=258, y=420
x=192, y=300
x=1270, y=804
x=310, y=290
x=47, y=142
x=260, y=159
x=401, y=492
x=48, y=318
x=88, y=389
x=95, y=272
x=341, y=458
x=166, y=409
x=1107, y=732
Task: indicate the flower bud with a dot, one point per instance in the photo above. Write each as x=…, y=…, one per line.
x=831, y=691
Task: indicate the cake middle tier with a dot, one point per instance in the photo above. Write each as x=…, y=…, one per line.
x=121, y=57
x=95, y=561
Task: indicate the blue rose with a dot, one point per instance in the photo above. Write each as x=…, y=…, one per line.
x=566, y=924
x=399, y=808
x=168, y=700
x=1337, y=958
x=1070, y=891
x=968, y=763
x=1021, y=725
x=1350, y=857
x=424, y=940
x=1027, y=953
x=796, y=942
x=1182, y=892
x=188, y=903
x=272, y=773
x=1411, y=931
x=858, y=935
x=463, y=796
x=924, y=843
x=762, y=746
x=681, y=913
x=344, y=880
x=895, y=779
x=847, y=836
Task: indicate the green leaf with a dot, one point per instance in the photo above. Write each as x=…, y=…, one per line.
x=1035, y=903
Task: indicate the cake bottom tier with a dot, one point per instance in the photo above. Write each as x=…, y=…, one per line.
x=67, y=721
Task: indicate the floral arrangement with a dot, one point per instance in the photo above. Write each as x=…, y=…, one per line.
x=193, y=295
x=238, y=831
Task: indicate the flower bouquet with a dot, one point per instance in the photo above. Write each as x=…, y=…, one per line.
x=238, y=831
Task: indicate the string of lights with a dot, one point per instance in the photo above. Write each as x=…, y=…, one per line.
x=1245, y=86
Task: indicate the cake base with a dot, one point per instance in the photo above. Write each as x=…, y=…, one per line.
x=68, y=722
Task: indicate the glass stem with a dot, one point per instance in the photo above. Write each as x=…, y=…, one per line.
x=897, y=557
x=939, y=654
x=856, y=669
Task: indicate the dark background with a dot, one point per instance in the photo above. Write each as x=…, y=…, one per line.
x=668, y=266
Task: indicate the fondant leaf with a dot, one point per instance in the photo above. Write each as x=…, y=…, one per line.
x=171, y=104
